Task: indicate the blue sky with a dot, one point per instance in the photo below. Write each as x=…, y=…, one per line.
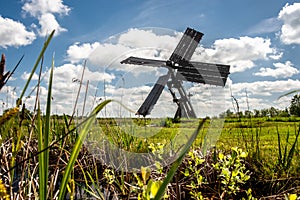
x=259, y=39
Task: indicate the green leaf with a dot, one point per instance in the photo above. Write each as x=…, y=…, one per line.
x=145, y=173
x=154, y=188
x=41, y=157
x=221, y=156
x=186, y=172
x=35, y=66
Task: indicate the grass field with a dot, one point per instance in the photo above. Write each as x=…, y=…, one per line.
x=271, y=145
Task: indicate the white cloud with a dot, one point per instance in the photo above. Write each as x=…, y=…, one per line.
x=266, y=26
x=8, y=97
x=40, y=7
x=26, y=75
x=282, y=70
x=135, y=42
x=276, y=56
x=48, y=23
x=107, y=53
x=44, y=11
x=13, y=33
x=264, y=94
x=67, y=73
x=266, y=88
x=251, y=103
x=290, y=30
x=65, y=86
x=239, y=53
x=136, y=38
x=78, y=52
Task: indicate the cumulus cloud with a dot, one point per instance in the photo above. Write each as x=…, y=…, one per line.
x=290, y=30
x=70, y=73
x=265, y=88
x=78, y=52
x=264, y=94
x=282, y=70
x=8, y=95
x=240, y=53
x=135, y=42
x=44, y=11
x=66, y=82
x=106, y=53
x=48, y=23
x=137, y=38
x=26, y=75
x=13, y=33
x=39, y=7
x=149, y=43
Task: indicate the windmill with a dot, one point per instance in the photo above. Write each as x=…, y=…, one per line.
x=180, y=69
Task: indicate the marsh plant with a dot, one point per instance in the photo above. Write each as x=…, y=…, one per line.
x=232, y=172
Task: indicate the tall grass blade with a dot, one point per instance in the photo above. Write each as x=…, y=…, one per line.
x=13, y=71
x=279, y=148
x=41, y=156
x=47, y=125
x=77, y=146
x=286, y=146
x=78, y=93
x=291, y=92
x=35, y=66
x=43, y=141
x=175, y=165
x=292, y=151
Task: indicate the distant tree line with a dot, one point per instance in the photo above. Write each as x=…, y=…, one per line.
x=292, y=110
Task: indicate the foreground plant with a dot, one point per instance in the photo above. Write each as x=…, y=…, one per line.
x=146, y=188
x=185, y=149
x=194, y=169
x=233, y=172
x=77, y=146
x=44, y=142
x=286, y=155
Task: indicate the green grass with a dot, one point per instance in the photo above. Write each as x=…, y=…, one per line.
x=261, y=143
x=267, y=141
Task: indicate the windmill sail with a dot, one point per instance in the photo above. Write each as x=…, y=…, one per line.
x=153, y=96
x=186, y=46
x=199, y=72
x=143, y=61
